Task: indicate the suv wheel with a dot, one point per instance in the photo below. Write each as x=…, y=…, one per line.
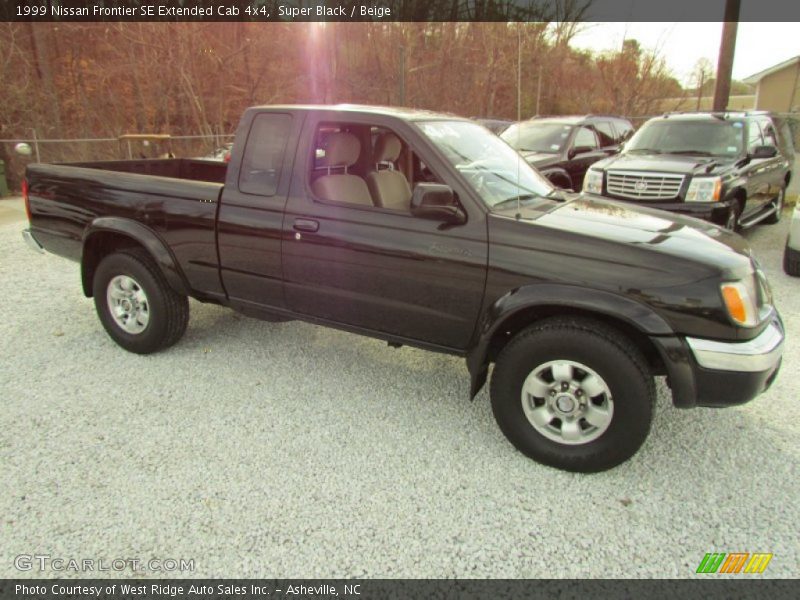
x=791, y=261
x=778, y=204
x=135, y=304
x=732, y=221
x=574, y=394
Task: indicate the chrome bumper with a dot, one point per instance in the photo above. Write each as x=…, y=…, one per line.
x=31, y=241
x=761, y=353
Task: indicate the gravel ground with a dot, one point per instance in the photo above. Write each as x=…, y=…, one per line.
x=285, y=450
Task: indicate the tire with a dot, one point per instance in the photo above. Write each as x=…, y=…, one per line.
x=732, y=222
x=593, y=350
x=791, y=261
x=778, y=202
x=157, y=315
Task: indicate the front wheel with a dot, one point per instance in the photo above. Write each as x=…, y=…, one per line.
x=732, y=220
x=778, y=204
x=574, y=394
x=136, y=305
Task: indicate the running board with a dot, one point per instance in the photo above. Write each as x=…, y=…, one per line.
x=758, y=218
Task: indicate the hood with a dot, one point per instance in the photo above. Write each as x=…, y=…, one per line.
x=540, y=159
x=648, y=230
x=665, y=163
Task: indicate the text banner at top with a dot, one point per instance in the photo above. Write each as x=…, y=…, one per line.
x=394, y=10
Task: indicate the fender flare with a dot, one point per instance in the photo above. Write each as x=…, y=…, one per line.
x=638, y=315
x=145, y=237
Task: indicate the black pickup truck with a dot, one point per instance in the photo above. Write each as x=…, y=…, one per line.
x=425, y=229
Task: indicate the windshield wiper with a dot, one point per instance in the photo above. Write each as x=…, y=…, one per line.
x=645, y=150
x=514, y=199
x=690, y=152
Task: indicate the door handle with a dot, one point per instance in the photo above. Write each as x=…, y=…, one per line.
x=306, y=225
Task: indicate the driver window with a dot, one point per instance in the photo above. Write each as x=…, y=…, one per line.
x=585, y=138
x=367, y=166
x=754, y=136
x=769, y=134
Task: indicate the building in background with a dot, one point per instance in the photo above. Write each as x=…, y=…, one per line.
x=777, y=87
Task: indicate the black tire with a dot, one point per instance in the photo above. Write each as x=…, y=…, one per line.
x=778, y=202
x=599, y=347
x=791, y=261
x=732, y=221
x=168, y=311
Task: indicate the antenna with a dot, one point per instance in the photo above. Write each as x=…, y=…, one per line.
x=519, y=110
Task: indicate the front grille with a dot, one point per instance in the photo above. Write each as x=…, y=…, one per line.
x=643, y=186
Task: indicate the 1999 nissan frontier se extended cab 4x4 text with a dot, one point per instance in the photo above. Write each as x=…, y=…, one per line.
x=426, y=229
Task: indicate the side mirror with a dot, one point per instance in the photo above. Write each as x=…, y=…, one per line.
x=575, y=150
x=768, y=151
x=435, y=201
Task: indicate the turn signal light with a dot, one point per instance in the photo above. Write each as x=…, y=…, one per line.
x=739, y=303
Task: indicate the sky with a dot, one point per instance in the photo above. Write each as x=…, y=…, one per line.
x=758, y=45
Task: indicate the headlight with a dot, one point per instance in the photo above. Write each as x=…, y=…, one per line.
x=593, y=182
x=740, y=302
x=704, y=189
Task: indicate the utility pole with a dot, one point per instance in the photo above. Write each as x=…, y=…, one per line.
x=539, y=92
x=402, y=76
x=722, y=89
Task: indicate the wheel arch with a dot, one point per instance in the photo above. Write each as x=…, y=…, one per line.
x=517, y=310
x=556, y=175
x=107, y=235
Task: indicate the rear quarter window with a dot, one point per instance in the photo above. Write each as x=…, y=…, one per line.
x=263, y=154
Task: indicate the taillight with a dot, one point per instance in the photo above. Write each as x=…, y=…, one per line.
x=26, y=198
x=227, y=157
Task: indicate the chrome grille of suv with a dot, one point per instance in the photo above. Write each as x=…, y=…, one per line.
x=643, y=186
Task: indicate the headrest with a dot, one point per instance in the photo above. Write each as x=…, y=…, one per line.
x=341, y=150
x=387, y=148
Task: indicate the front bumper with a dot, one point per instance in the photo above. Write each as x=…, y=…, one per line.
x=712, y=373
x=32, y=241
x=715, y=212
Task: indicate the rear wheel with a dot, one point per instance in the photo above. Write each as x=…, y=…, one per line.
x=574, y=394
x=778, y=204
x=136, y=305
x=791, y=261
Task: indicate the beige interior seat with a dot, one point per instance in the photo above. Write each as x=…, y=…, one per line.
x=389, y=188
x=341, y=152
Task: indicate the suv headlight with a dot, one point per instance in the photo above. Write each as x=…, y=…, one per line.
x=704, y=189
x=740, y=302
x=593, y=182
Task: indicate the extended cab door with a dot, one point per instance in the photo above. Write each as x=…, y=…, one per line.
x=353, y=262
x=251, y=212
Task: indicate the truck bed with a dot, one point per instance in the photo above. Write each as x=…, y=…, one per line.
x=175, y=168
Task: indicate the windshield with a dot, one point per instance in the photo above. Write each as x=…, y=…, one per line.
x=669, y=136
x=491, y=167
x=537, y=137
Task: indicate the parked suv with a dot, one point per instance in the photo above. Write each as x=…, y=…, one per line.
x=731, y=168
x=562, y=148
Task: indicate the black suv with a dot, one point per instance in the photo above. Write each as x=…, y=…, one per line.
x=731, y=168
x=563, y=148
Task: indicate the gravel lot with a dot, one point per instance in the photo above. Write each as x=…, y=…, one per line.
x=285, y=450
